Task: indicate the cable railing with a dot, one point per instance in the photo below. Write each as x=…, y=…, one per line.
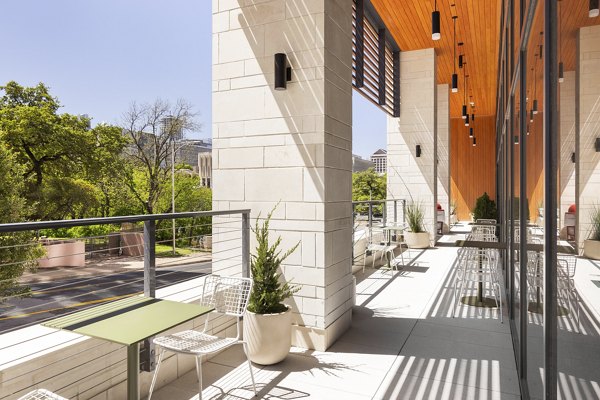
x=43, y=275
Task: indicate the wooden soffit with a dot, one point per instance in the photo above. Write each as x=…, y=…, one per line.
x=477, y=26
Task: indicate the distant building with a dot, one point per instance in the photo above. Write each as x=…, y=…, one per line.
x=360, y=164
x=379, y=158
x=189, y=150
x=205, y=168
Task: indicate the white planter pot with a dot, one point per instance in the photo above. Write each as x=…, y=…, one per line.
x=418, y=240
x=269, y=336
x=591, y=249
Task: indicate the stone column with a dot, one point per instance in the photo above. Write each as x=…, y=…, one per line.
x=291, y=147
x=588, y=168
x=567, y=145
x=410, y=177
x=443, y=149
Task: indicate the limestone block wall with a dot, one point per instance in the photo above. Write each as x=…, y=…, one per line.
x=410, y=177
x=443, y=148
x=589, y=127
x=290, y=147
x=567, y=143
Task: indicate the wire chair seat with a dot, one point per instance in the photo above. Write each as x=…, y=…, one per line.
x=41, y=394
x=194, y=342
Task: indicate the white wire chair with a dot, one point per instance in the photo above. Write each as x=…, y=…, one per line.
x=41, y=394
x=478, y=266
x=567, y=266
x=228, y=296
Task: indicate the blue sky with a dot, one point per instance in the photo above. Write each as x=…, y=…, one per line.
x=99, y=55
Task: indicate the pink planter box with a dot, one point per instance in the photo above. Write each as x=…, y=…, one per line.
x=63, y=254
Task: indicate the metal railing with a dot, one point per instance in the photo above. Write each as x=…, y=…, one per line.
x=230, y=246
x=368, y=214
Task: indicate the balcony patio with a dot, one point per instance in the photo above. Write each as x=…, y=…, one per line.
x=402, y=344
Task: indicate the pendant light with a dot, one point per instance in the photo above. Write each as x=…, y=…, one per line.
x=454, y=75
x=465, y=113
x=435, y=23
x=472, y=116
x=461, y=57
x=471, y=132
x=527, y=129
x=561, y=67
x=594, y=8
x=467, y=120
x=474, y=141
x=531, y=116
x=534, y=108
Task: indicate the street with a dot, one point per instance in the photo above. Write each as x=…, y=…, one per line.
x=51, y=299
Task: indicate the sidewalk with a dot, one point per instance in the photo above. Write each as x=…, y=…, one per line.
x=403, y=344
x=106, y=265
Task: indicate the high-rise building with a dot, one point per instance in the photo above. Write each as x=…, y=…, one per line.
x=379, y=158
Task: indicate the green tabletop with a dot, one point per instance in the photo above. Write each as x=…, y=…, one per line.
x=129, y=320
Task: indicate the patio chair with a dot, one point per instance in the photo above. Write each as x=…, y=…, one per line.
x=478, y=266
x=228, y=296
x=376, y=244
x=568, y=265
x=41, y=394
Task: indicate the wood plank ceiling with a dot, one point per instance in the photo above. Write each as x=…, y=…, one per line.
x=477, y=26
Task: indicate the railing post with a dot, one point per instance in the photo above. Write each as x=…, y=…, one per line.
x=149, y=258
x=384, y=212
x=403, y=210
x=147, y=351
x=246, y=245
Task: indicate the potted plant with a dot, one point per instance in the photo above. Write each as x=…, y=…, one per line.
x=418, y=237
x=268, y=321
x=591, y=246
x=485, y=208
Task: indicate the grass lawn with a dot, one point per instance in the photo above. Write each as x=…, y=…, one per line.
x=165, y=250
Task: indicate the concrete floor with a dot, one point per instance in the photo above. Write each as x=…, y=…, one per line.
x=403, y=344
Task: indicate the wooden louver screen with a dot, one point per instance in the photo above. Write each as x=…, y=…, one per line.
x=375, y=64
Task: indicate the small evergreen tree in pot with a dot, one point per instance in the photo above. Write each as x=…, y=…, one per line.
x=268, y=322
x=485, y=208
x=268, y=292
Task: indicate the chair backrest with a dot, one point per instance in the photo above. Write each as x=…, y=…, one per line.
x=483, y=229
x=227, y=295
x=569, y=264
x=486, y=221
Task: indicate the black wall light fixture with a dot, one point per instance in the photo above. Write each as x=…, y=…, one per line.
x=418, y=151
x=283, y=73
x=597, y=145
x=435, y=23
x=454, y=74
x=594, y=8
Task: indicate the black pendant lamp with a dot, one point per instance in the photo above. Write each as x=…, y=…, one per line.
x=594, y=8
x=531, y=116
x=435, y=23
x=467, y=120
x=454, y=75
x=461, y=57
x=561, y=67
x=527, y=129
x=474, y=141
x=534, y=108
x=471, y=132
x=465, y=113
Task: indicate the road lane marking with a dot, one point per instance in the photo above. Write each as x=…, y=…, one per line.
x=85, y=303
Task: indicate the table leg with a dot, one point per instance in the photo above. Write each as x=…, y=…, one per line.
x=480, y=284
x=133, y=365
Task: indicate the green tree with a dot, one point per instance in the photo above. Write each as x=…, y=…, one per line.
x=368, y=185
x=18, y=251
x=52, y=146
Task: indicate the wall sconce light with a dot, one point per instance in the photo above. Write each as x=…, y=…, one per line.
x=283, y=73
x=597, y=145
x=594, y=9
x=418, y=151
x=573, y=157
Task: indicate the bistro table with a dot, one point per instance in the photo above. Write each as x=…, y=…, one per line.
x=128, y=322
x=388, y=230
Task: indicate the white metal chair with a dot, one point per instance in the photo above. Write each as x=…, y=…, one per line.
x=478, y=266
x=41, y=394
x=228, y=296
